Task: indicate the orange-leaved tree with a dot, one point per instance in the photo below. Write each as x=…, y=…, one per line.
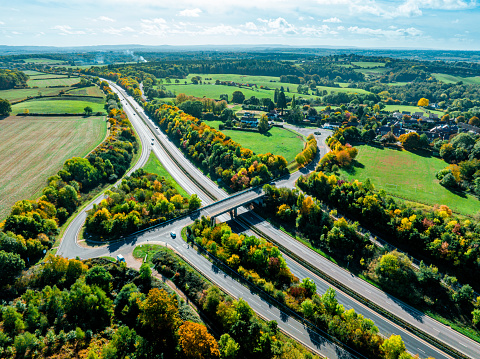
x=196, y=342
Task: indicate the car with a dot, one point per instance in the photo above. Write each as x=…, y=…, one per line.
x=153, y=143
x=173, y=234
x=153, y=139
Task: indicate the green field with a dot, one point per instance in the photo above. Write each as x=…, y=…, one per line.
x=277, y=141
x=409, y=176
x=153, y=165
x=21, y=94
x=33, y=73
x=44, y=61
x=66, y=81
x=211, y=90
x=89, y=91
x=368, y=65
x=451, y=79
x=411, y=109
x=59, y=105
x=34, y=148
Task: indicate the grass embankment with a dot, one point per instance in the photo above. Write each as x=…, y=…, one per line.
x=34, y=148
x=409, y=176
x=153, y=165
x=58, y=105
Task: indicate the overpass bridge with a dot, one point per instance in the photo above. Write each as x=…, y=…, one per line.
x=232, y=203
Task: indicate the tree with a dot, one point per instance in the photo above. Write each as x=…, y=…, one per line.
x=11, y=265
x=100, y=277
x=5, y=107
x=145, y=274
x=159, y=312
x=281, y=101
x=393, y=347
x=410, y=141
x=394, y=270
x=423, y=102
x=238, y=97
x=196, y=342
x=309, y=285
x=263, y=124
x=229, y=347
x=474, y=121
x=194, y=203
x=193, y=108
x=88, y=110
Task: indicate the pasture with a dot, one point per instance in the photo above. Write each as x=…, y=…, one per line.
x=368, y=65
x=15, y=95
x=451, y=79
x=210, y=90
x=86, y=91
x=34, y=148
x=411, y=109
x=58, y=105
x=409, y=176
x=278, y=141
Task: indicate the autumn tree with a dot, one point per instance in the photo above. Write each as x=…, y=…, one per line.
x=410, y=141
x=196, y=342
x=393, y=347
x=423, y=102
x=159, y=312
x=11, y=265
x=263, y=124
x=474, y=121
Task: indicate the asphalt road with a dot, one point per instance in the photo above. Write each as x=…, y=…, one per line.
x=414, y=344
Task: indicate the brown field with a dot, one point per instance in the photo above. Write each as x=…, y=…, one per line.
x=34, y=148
x=90, y=91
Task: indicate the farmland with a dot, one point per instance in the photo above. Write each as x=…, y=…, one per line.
x=409, y=176
x=367, y=65
x=52, y=81
x=58, y=105
x=31, y=149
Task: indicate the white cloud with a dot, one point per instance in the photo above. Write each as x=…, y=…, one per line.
x=332, y=19
x=106, y=19
x=16, y=33
x=154, y=27
x=117, y=31
x=278, y=26
x=2, y=23
x=67, y=30
x=409, y=8
x=190, y=12
x=317, y=31
x=411, y=31
x=340, y=28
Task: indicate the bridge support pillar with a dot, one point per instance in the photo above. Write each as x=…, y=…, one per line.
x=213, y=221
x=235, y=214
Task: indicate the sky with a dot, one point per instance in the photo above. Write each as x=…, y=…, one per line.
x=425, y=24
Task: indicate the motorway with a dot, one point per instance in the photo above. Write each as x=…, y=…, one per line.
x=70, y=248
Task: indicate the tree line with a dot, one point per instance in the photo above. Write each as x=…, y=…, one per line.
x=141, y=200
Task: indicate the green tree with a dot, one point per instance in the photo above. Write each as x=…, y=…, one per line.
x=309, y=285
x=238, y=97
x=145, y=274
x=193, y=108
x=11, y=265
x=194, y=202
x=5, y=107
x=88, y=110
x=100, y=277
x=281, y=101
x=228, y=347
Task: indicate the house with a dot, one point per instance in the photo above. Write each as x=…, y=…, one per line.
x=406, y=113
x=397, y=115
x=417, y=114
x=433, y=116
x=444, y=131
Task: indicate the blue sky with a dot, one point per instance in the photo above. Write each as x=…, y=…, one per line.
x=438, y=24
